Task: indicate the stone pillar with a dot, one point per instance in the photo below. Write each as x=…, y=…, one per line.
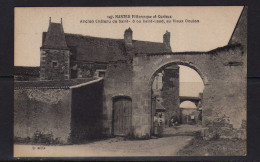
x=170, y=93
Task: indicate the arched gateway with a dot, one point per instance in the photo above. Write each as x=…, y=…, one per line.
x=216, y=70
x=223, y=71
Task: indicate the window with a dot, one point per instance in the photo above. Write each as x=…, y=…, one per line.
x=54, y=64
x=101, y=74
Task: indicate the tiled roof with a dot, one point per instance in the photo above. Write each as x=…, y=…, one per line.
x=23, y=70
x=149, y=47
x=87, y=48
x=159, y=106
x=55, y=38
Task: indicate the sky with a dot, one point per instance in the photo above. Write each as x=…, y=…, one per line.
x=214, y=29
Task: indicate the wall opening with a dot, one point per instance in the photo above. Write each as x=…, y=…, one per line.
x=171, y=85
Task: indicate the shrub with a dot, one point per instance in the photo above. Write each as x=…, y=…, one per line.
x=44, y=138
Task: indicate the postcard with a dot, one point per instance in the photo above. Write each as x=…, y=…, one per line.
x=130, y=81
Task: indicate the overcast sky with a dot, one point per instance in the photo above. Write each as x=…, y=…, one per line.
x=214, y=29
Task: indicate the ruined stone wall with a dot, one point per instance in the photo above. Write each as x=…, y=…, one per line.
x=55, y=64
x=44, y=112
x=117, y=82
x=224, y=98
x=86, y=117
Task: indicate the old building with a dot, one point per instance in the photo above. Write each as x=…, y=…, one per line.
x=66, y=56
x=71, y=67
x=127, y=68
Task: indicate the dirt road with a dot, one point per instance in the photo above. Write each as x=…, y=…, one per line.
x=165, y=146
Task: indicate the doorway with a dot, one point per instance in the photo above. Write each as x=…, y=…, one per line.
x=122, y=115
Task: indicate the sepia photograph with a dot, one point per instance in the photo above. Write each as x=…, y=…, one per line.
x=130, y=81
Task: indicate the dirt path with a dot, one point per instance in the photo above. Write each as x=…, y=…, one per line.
x=166, y=146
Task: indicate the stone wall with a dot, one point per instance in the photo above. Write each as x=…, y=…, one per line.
x=63, y=115
x=170, y=94
x=55, y=64
x=117, y=82
x=87, y=106
x=223, y=72
x=42, y=112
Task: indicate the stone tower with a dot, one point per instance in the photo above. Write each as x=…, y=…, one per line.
x=170, y=93
x=55, y=54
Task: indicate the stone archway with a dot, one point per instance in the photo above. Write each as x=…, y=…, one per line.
x=171, y=98
x=145, y=69
x=218, y=77
x=185, y=63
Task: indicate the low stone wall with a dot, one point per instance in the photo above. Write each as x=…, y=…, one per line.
x=42, y=115
x=55, y=115
x=86, y=109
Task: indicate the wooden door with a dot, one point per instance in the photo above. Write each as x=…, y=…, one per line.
x=122, y=110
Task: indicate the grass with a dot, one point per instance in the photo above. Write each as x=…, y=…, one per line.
x=215, y=147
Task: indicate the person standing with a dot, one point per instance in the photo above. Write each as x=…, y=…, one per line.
x=156, y=124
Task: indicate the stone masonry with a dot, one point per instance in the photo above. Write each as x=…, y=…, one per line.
x=170, y=93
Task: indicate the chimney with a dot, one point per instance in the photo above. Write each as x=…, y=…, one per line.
x=128, y=36
x=49, y=20
x=166, y=39
x=61, y=20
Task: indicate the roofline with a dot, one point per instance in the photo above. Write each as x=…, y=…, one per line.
x=100, y=62
x=119, y=39
x=191, y=52
x=61, y=87
x=91, y=36
x=56, y=87
x=236, y=24
x=188, y=108
x=28, y=66
x=66, y=48
x=190, y=97
x=87, y=83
